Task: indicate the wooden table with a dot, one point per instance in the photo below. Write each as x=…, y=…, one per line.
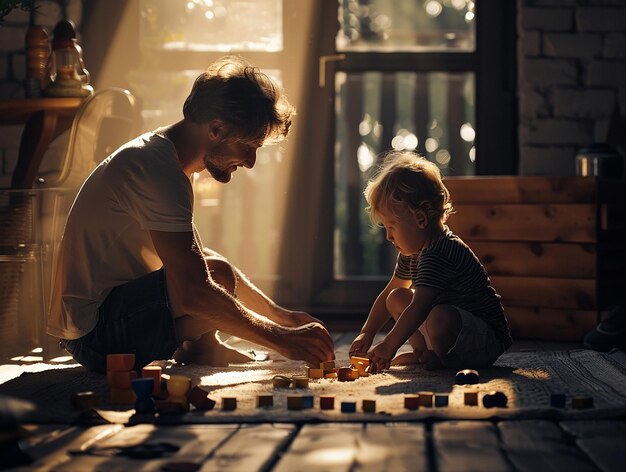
x=44, y=119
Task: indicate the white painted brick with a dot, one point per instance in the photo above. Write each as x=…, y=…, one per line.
x=531, y=43
x=547, y=160
x=600, y=19
x=587, y=103
x=533, y=104
x=550, y=131
x=544, y=72
x=615, y=45
x=605, y=74
x=582, y=46
x=547, y=19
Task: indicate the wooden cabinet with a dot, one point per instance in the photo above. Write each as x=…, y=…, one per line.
x=554, y=247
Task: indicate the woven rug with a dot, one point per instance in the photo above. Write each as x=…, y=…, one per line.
x=527, y=378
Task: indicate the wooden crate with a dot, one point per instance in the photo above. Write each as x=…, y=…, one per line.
x=554, y=247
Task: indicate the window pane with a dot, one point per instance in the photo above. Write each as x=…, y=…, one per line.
x=406, y=25
x=431, y=113
x=212, y=25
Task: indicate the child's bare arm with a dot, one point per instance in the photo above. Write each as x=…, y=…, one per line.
x=409, y=322
x=377, y=317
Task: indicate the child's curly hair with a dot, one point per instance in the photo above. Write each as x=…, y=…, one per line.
x=408, y=178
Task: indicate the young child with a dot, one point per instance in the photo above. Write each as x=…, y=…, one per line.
x=439, y=296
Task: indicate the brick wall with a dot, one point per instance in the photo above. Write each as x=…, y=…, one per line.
x=13, y=70
x=572, y=78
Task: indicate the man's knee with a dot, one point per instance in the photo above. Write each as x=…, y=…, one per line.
x=397, y=300
x=222, y=273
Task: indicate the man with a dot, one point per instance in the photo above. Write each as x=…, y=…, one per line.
x=132, y=274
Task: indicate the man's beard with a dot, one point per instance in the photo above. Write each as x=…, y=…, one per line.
x=219, y=174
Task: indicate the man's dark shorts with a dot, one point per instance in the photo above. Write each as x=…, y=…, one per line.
x=134, y=318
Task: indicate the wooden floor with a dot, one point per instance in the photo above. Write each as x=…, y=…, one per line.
x=524, y=445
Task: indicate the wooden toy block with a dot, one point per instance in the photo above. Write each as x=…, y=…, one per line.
x=120, y=378
x=177, y=387
x=229, y=403
x=294, y=402
x=117, y=362
x=280, y=381
x=347, y=374
x=425, y=399
x=143, y=389
x=300, y=381
x=361, y=364
x=153, y=372
x=199, y=398
x=557, y=400
x=441, y=400
x=467, y=377
x=327, y=403
x=411, y=402
x=330, y=375
x=495, y=399
x=327, y=366
x=369, y=406
x=121, y=396
x=470, y=398
x=307, y=401
x=265, y=401
x=314, y=373
x=348, y=407
x=167, y=407
x=85, y=400
x=582, y=403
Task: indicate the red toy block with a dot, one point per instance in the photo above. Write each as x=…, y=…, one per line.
x=154, y=372
x=118, y=362
x=327, y=403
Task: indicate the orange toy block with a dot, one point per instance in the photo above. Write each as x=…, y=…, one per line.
x=361, y=364
x=347, y=374
x=294, y=402
x=470, y=398
x=300, y=381
x=327, y=403
x=369, y=406
x=582, y=403
x=411, y=402
x=199, y=398
x=120, y=378
x=314, y=373
x=154, y=372
x=122, y=396
x=118, y=362
x=425, y=398
x=327, y=366
x=229, y=403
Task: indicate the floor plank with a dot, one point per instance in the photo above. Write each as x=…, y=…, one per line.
x=602, y=441
x=534, y=445
x=468, y=445
x=322, y=447
x=252, y=447
x=391, y=447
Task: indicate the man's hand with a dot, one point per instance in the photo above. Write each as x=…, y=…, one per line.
x=380, y=357
x=293, y=319
x=310, y=343
x=361, y=344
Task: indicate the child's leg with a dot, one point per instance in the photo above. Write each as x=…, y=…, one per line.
x=397, y=300
x=443, y=326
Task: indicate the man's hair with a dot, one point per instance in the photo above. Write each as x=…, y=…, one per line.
x=234, y=91
x=408, y=179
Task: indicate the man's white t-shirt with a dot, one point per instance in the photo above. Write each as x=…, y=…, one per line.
x=106, y=242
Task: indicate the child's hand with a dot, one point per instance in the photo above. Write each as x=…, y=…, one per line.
x=380, y=357
x=360, y=345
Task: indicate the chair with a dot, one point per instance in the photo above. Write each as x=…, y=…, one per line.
x=33, y=219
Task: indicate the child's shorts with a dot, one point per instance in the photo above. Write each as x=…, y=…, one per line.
x=134, y=318
x=476, y=345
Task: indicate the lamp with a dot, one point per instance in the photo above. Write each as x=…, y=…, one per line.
x=68, y=75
